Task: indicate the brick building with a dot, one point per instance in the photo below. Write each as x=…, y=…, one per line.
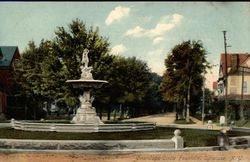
x=9, y=56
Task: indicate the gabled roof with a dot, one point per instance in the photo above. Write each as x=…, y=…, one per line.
x=7, y=53
x=241, y=56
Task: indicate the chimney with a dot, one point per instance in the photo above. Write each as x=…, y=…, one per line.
x=235, y=62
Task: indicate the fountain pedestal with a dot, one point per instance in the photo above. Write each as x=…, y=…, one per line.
x=86, y=114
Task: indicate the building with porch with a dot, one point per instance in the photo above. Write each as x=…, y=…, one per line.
x=238, y=80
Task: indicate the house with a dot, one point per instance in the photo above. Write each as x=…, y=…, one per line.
x=9, y=56
x=238, y=71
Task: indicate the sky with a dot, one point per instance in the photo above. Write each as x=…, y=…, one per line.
x=147, y=30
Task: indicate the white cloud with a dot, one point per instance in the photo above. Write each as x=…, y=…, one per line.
x=118, y=49
x=160, y=29
x=177, y=18
x=116, y=14
x=211, y=76
x=157, y=67
x=165, y=24
x=156, y=61
x=157, y=40
x=135, y=32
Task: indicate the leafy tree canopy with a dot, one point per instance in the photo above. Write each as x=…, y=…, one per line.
x=186, y=62
x=185, y=66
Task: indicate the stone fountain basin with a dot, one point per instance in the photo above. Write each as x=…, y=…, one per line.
x=86, y=83
x=85, y=128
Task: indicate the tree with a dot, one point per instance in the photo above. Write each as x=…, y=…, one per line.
x=31, y=77
x=44, y=69
x=183, y=76
x=153, y=102
x=128, y=83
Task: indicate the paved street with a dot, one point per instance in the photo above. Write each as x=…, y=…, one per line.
x=200, y=156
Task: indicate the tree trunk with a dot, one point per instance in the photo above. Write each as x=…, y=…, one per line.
x=179, y=110
x=114, y=116
x=188, y=101
x=100, y=113
x=122, y=111
x=109, y=112
x=25, y=109
x=34, y=112
x=184, y=108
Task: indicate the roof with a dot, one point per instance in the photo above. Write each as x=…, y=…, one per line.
x=7, y=53
x=241, y=56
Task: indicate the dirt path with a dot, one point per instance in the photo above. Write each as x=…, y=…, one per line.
x=169, y=119
x=199, y=156
x=159, y=119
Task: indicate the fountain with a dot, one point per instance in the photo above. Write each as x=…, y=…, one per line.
x=85, y=119
x=86, y=113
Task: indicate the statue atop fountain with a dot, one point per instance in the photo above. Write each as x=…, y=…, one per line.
x=85, y=58
x=86, y=70
x=86, y=114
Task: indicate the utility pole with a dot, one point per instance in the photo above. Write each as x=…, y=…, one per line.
x=241, y=98
x=226, y=81
x=203, y=101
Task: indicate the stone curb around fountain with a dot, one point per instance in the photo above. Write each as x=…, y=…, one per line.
x=111, y=145
x=241, y=129
x=84, y=128
x=124, y=151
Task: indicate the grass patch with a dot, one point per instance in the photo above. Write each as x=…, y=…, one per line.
x=199, y=138
x=183, y=121
x=158, y=133
x=4, y=121
x=242, y=123
x=192, y=137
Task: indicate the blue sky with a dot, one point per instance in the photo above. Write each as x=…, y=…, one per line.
x=147, y=30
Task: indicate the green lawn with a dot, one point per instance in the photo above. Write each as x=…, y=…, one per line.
x=192, y=137
x=244, y=123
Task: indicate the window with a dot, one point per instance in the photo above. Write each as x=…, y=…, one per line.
x=245, y=87
x=16, y=61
